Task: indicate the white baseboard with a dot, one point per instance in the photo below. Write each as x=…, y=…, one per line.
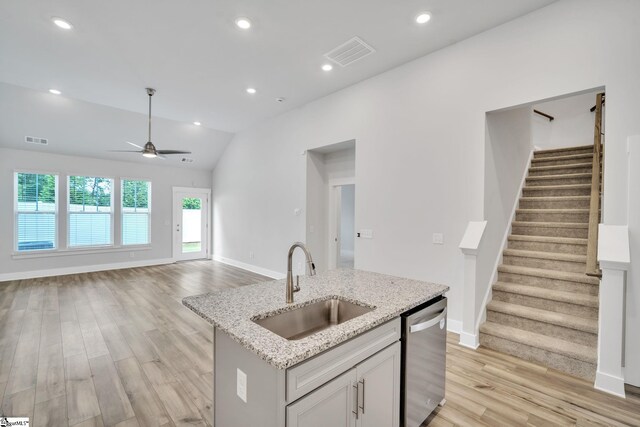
x=22, y=275
x=609, y=384
x=471, y=341
x=454, y=326
x=249, y=267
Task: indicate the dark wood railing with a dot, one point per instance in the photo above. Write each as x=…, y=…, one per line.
x=593, y=269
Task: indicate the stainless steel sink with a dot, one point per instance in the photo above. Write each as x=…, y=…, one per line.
x=309, y=319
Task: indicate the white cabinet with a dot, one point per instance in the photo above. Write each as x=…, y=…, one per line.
x=368, y=395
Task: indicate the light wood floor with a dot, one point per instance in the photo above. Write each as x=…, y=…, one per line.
x=118, y=348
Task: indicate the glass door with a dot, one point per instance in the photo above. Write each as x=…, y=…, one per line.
x=190, y=225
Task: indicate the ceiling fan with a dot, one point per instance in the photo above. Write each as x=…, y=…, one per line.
x=149, y=150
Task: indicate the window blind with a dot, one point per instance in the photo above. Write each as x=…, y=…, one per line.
x=136, y=212
x=36, y=211
x=90, y=211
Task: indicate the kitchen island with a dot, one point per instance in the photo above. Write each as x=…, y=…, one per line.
x=262, y=378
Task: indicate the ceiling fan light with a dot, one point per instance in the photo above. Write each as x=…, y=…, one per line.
x=149, y=154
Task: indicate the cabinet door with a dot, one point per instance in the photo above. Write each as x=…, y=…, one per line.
x=379, y=389
x=330, y=405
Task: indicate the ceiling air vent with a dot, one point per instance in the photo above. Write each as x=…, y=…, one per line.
x=186, y=160
x=349, y=52
x=36, y=140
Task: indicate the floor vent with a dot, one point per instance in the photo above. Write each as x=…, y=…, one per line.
x=36, y=140
x=349, y=52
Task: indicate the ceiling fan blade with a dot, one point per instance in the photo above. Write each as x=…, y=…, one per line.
x=124, y=151
x=173, y=152
x=161, y=157
x=135, y=145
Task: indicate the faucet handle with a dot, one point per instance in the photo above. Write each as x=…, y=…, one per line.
x=297, y=287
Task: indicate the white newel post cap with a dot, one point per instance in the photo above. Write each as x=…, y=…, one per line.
x=472, y=237
x=613, y=247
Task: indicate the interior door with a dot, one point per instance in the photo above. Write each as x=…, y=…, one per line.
x=191, y=225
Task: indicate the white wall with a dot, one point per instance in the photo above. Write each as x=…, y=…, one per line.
x=632, y=342
x=572, y=125
x=162, y=180
x=507, y=150
x=420, y=130
x=347, y=218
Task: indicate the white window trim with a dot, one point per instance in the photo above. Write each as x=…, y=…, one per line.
x=16, y=212
x=111, y=213
x=150, y=202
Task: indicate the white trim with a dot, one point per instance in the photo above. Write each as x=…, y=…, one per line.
x=454, y=326
x=471, y=341
x=609, y=384
x=82, y=269
x=505, y=242
x=334, y=219
x=208, y=234
x=249, y=267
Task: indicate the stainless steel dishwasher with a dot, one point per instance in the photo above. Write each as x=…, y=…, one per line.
x=424, y=342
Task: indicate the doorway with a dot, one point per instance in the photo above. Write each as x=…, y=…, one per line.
x=190, y=223
x=342, y=226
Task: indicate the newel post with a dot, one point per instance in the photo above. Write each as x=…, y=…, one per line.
x=614, y=258
x=469, y=245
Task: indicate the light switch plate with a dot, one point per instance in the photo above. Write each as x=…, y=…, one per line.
x=438, y=239
x=241, y=387
x=366, y=233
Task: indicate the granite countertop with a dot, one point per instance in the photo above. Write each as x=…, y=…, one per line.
x=231, y=310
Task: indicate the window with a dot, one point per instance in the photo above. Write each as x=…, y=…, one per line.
x=36, y=211
x=90, y=211
x=136, y=210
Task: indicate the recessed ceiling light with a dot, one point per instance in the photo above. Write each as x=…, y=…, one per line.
x=251, y=90
x=327, y=67
x=197, y=123
x=55, y=91
x=423, y=18
x=65, y=25
x=243, y=23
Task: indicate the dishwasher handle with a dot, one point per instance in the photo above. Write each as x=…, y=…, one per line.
x=429, y=323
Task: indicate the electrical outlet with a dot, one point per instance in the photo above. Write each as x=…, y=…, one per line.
x=438, y=239
x=241, y=385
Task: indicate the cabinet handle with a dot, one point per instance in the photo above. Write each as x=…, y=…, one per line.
x=362, y=407
x=356, y=386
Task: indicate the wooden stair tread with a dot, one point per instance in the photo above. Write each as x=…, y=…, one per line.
x=548, y=239
x=551, y=210
x=545, y=255
x=554, y=345
x=549, y=274
x=552, y=198
x=561, y=176
x=548, y=294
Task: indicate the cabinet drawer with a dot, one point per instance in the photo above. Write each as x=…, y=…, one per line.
x=311, y=374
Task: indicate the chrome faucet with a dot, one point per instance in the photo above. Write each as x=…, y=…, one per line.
x=312, y=270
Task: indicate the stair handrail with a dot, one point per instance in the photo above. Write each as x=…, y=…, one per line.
x=593, y=269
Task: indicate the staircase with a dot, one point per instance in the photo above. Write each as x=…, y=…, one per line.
x=544, y=307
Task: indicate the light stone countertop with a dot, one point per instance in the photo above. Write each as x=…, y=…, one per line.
x=231, y=310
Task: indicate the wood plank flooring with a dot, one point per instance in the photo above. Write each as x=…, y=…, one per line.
x=117, y=348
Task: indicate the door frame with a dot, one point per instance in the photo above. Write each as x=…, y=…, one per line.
x=205, y=192
x=335, y=213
